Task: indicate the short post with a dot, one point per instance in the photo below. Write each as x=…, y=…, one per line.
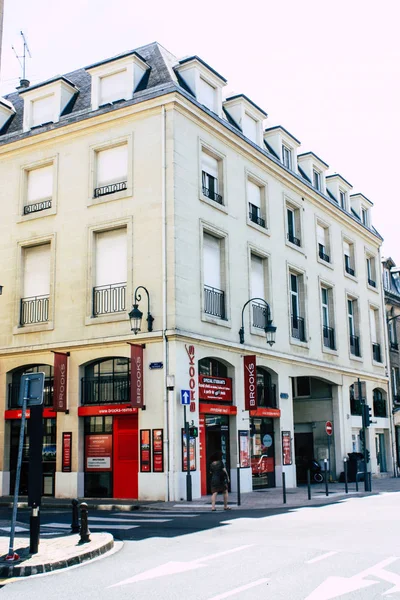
x=326, y=476
x=238, y=483
x=284, y=487
x=346, y=481
x=34, y=528
x=188, y=473
x=84, y=530
x=357, y=481
x=370, y=481
x=75, y=516
x=309, y=483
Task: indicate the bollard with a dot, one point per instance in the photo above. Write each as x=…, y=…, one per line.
x=284, y=487
x=309, y=483
x=346, y=481
x=34, y=529
x=238, y=484
x=356, y=482
x=84, y=530
x=75, y=516
x=326, y=476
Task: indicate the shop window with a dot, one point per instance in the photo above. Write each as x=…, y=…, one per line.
x=212, y=367
x=14, y=385
x=106, y=381
x=266, y=391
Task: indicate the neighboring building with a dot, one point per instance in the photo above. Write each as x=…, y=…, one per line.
x=391, y=286
x=134, y=172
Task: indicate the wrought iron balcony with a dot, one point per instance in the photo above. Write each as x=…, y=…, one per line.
x=354, y=345
x=34, y=310
x=371, y=282
x=322, y=254
x=37, y=207
x=298, y=329
x=254, y=215
x=349, y=270
x=109, y=299
x=380, y=408
x=214, y=302
x=105, y=389
x=329, y=337
x=355, y=407
x=394, y=346
x=376, y=352
x=260, y=315
x=13, y=393
x=212, y=195
x=293, y=240
x=111, y=188
x=266, y=396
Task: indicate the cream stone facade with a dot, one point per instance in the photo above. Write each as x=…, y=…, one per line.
x=196, y=239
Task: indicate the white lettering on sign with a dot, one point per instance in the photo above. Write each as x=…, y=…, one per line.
x=192, y=377
x=251, y=368
x=61, y=390
x=138, y=380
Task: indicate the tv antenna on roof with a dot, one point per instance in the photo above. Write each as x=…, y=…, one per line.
x=22, y=57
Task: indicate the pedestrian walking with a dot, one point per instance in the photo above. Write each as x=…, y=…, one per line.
x=219, y=480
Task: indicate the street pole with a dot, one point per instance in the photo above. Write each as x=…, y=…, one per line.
x=329, y=457
x=367, y=487
x=188, y=475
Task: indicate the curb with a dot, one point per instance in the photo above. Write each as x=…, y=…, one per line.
x=8, y=571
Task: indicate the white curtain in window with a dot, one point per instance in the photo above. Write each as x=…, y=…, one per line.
x=112, y=165
x=206, y=94
x=254, y=193
x=111, y=257
x=212, y=261
x=249, y=126
x=114, y=87
x=372, y=321
x=209, y=164
x=42, y=110
x=321, y=235
x=36, y=271
x=257, y=277
x=40, y=184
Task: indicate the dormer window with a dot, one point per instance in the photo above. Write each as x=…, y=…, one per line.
x=203, y=82
x=247, y=116
x=249, y=126
x=317, y=180
x=46, y=102
x=342, y=199
x=313, y=170
x=206, y=94
x=6, y=112
x=364, y=216
x=114, y=87
x=286, y=157
x=42, y=110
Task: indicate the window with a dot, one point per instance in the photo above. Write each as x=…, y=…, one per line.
x=379, y=404
x=109, y=291
x=371, y=275
x=296, y=286
x=14, y=386
x=323, y=240
x=106, y=381
x=328, y=331
x=212, y=367
x=34, y=306
x=286, y=156
x=342, y=198
x=293, y=225
x=250, y=128
x=302, y=387
x=374, y=327
x=211, y=169
x=39, y=189
x=317, y=179
x=256, y=199
x=114, y=87
x=386, y=279
x=364, y=216
x=42, y=111
x=111, y=170
x=258, y=290
x=392, y=331
x=348, y=249
x=266, y=391
x=352, y=313
x=214, y=296
x=206, y=94
x=396, y=384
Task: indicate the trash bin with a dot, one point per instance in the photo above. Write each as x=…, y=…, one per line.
x=355, y=465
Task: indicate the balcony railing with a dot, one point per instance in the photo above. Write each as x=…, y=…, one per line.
x=394, y=346
x=13, y=393
x=254, y=215
x=376, y=352
x=111, y=188
x=105, y=389
x=380, y=408
x=355, y=407
x=260, y=315
x=293, y=240
x=37, y=207
x=266, y=396
x=329, y=337
x=355, y=345
x=212, y=195
x=214, y=302
x=322, y=254
x=109, y=299
x=371, y=282
x=298, y=329
x=34, y=310
x=349, y=270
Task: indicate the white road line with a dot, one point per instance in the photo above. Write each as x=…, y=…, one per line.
x=91, y=526
x=17, y=529
x=318, y=558
x=156, y=514
x=239, y=589
x=119, y=520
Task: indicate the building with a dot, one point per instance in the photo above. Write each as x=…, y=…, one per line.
x=132, y=181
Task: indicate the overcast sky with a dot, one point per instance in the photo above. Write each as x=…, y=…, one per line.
x=328, y=71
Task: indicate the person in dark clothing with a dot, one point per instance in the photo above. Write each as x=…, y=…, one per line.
x=219, y=480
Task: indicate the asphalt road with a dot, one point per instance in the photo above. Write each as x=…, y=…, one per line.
x=347, y=550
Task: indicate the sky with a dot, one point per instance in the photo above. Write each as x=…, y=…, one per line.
x=326, y=70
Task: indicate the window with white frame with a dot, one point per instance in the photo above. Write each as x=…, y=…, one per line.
x=392, y=331
x=297, y=306
x=250, y=128
x=293, y=225
x=42, y=110
x=206, y=94
x=110, y=276
x=256, y=200
x=213, y=276
x=374, y=328
x=328, y=330
x=34, y=305
x=352, y=316
x=396, y=384
x=258, y=290
x=111, y=170
x=364, y=216
x=286, y=156
x=386, y=278
x=343, y=200
x=348, y=250
x=371, y=272
x=211, y=176
x=114, y=87
x=39, y=189
x=323, y=242
x=317, y=179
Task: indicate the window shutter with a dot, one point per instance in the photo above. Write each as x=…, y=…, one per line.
x=40, y=184
x=249, y=126
x=321, y=235
x=212, y=261
x=206, y=94
x=111, y=257
x=346, y=249
x=254, y=194
x=209, y=164
x=112, y=165
x=37, y=271
x=114, y=87
x=257, y=277
x=42, y=110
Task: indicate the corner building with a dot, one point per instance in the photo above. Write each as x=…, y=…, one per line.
x=135, y=173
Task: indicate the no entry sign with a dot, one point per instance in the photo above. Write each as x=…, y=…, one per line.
x=328, y=427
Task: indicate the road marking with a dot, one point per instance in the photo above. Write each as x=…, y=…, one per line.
x=157, y=514
x=175, y=567
x=322, y=557
x=91, y=526
x=17, y=529
x=239, y=589
x=127, y=520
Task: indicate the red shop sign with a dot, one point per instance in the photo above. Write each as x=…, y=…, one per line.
x=115, y=409
x=136, y=376
x=66, y=452
x=60, y=381
x=98, y=452
x=214, y=409
x=215, y=388
x=272, y=413
x=190, y=351
x=250, y=382
x=48, y=413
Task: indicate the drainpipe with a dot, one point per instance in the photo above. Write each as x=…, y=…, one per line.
x=1, y=26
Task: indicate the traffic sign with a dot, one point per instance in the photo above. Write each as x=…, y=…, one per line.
x=328, y=428
x=31, y=388
x=185, y=397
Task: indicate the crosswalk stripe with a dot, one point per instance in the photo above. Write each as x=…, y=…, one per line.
x=158, y=514
x=119, y=520
x=91, y=526
x=17, y=529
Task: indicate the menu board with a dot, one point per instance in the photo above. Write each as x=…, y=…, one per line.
x=158, y=451
x=244, y=455
x=145, y=451
x=192, y=451
x=66, y=452
x=286, y=448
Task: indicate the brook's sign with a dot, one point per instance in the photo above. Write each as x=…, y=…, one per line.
x=250, y=382
x=215, y=388
x=192, y=377
x=136, y=376
x=60, y=381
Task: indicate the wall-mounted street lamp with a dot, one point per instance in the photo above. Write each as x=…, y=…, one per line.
x=1, y=290
x=269, y=329
x=136, y=315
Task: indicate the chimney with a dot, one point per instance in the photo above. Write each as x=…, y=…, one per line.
x=23, y=83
